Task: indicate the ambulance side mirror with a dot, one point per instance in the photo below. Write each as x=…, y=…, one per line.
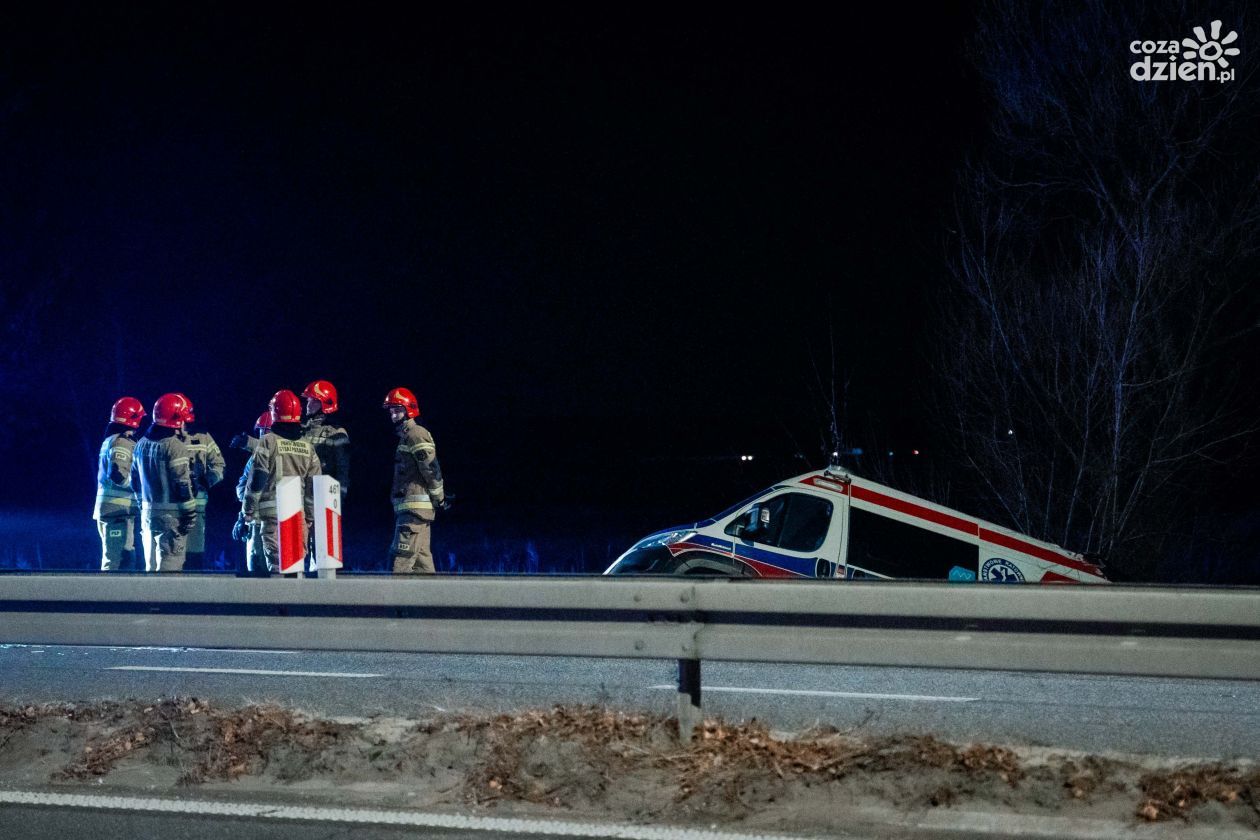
x=750, y=523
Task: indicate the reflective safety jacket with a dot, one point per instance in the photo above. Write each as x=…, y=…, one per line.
x=417, y=474
x=162, y=472
x=332, y=445
x=115, y=495
x=242, y=484
x=206, y=462
x=275, y=458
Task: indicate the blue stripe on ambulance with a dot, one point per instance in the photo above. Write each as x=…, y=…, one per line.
x=723, y=546
x=805, y=566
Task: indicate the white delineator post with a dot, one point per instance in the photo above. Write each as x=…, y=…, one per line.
x=292, y=525
x=328, y=555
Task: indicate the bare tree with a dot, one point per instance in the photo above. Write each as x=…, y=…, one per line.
x=829, y=393
x=1105, y=239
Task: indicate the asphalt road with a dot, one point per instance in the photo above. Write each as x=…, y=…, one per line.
x=1201, y=719
x=103, y=818
x=70, y=824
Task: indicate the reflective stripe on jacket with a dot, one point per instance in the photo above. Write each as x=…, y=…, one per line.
x=206, y=462
x=332, y=445
x=115, y=495
x=275, y=458
x=417, y=474
x=163, y=474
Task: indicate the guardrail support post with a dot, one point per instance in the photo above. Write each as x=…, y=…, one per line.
x=689, y=712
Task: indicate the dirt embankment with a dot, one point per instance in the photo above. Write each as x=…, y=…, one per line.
x=594, y=763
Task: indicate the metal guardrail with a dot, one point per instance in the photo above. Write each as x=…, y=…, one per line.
x=1152, y=631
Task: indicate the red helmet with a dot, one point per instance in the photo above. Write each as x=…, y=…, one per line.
x=171, y=411
x=286, y=407
x=406, y=399
x=128, y=411
x=188, y=415
x=264, y=421
x=322, y=390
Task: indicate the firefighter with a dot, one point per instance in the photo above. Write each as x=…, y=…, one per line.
x=115, y=508
x=330, y=440
x=280, y=453
x=255, y=563
x=163, y=473
x=207, y=464
x=417, y=490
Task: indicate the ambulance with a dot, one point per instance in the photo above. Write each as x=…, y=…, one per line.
x=833, y=524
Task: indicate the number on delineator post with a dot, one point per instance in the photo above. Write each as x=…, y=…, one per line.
x=292, y=525
x=328, y=555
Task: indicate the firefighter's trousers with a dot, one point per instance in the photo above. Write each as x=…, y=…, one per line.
x=410, y=550
x=165, y=544
x=266, y=539
x=255, y=563
x=196, y=547
x=118, y=540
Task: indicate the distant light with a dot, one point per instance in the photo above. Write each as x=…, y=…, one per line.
x=1010, y=431
x=835, y=454
x=890, y=453
x=914, y=452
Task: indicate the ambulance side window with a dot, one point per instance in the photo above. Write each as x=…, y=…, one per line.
x=805, y=526
x=897, y=549
x=797, y=522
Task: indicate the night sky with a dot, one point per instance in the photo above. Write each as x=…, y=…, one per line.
x=599, y=225
x=599, y=254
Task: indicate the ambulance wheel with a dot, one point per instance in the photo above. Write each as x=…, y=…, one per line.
x=703, y=564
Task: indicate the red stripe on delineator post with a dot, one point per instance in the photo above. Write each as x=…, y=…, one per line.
x=328, y=547
x=292, y=525
x=332, y=523
x=292, y=542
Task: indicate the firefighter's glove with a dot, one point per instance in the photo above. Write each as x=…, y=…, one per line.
x=240, y=531
x=186, y=522
x=241, y=441
x=445, y=504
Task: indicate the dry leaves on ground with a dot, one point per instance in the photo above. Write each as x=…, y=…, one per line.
x=217, y=743
x=1174, y=795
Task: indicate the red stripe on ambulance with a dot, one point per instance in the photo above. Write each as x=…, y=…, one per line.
x=911, y=509
x=1015, y=544
x=957, y=523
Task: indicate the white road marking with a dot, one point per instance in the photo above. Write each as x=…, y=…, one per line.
x=202, y=650
x=254, y=671
x=793, y=692
x=40, y=648
x=271, y=811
